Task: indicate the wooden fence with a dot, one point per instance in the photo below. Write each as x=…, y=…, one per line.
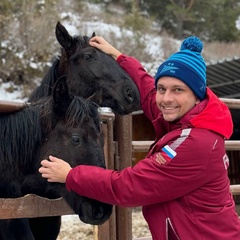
x=118, y=150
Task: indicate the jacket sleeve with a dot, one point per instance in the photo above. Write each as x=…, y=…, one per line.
x=144, y=82
x=148, y=182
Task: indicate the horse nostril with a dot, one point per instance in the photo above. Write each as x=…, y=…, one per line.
x=129, y=96
x=98, y=213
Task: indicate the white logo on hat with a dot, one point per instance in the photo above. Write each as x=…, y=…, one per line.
x=169, y=68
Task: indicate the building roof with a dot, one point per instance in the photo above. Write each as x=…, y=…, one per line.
x=223, y=77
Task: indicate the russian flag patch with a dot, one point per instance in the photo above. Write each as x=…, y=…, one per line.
x=168, y=153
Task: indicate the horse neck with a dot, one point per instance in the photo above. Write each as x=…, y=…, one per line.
x=47, y=83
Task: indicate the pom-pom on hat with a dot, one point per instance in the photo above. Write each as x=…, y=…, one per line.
x=188, y=66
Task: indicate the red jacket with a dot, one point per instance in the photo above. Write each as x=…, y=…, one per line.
x=187, y=197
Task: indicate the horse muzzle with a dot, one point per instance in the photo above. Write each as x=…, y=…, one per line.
x=94, y=212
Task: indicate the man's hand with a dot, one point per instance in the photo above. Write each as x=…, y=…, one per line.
x=54, y=169
x=104, y=46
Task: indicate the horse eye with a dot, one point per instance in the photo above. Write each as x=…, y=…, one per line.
x=75, y=139
x=87, y=57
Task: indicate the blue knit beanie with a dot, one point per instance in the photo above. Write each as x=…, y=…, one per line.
x=188, y=66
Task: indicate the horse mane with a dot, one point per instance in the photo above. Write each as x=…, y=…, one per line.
x=46, y=87
x=21, y=133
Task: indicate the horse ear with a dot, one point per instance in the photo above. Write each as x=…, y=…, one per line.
x=63, y=37
x=61, y=96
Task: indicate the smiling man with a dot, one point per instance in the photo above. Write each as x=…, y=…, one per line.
x=174, y=98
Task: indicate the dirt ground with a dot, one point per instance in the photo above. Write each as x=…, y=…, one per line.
x=73, y=229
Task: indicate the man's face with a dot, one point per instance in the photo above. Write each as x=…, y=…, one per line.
x=174, y=98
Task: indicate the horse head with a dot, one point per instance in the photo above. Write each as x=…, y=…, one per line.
x=91, y=73
x=71, y=130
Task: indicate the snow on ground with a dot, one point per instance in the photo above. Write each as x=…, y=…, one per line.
x=72, y=228
x=14, y=95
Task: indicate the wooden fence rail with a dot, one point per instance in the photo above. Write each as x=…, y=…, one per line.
x=31, y=206
x=231, y=103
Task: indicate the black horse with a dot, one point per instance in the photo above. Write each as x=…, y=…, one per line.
x=61, y=125
x=90, y=73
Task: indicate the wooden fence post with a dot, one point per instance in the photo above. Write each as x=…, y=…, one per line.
x=107, y=231
x=123, y=136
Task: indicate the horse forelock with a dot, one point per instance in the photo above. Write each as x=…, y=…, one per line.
x=81, y=111
x=81, y=41
x=77, y=114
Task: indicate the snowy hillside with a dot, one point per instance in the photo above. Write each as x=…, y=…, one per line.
x=150, y=46
x=76, y=25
